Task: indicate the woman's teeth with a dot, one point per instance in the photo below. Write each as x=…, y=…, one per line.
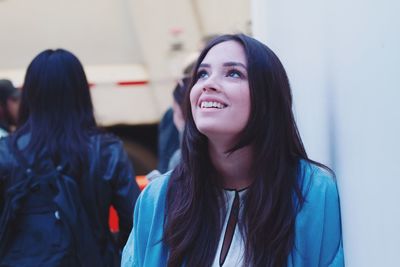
x=211, y=104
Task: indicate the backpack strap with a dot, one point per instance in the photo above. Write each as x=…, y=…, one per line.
x=18, y=155
x=23, y=162
x=14, y=193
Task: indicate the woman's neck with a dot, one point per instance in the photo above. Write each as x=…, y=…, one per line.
x=234, y=168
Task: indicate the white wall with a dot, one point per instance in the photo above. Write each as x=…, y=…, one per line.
x=97, y=31
x=223, y=16
x=343, y=60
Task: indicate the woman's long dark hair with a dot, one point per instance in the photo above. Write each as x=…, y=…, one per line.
x=193, y=221
x=56, y=108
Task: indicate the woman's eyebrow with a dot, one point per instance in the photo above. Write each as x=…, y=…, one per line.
x=234, y=64
x=204, y=65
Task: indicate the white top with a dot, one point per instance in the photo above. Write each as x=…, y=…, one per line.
x=3, y=133
x=235, y=256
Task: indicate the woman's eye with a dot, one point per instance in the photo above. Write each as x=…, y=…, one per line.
x=234, y=74
x=202, y=74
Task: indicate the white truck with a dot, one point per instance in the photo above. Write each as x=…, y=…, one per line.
x=132, y=50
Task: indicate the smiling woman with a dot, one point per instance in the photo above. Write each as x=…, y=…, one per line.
x=245, y=192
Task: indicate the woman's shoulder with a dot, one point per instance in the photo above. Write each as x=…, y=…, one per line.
x=107, y=145
x=149, y=211
x=106, y=139
x=318, y=226
x=315, y=178
x=155, y=192
x=320, y=194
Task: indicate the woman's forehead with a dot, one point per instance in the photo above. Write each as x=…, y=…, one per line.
x=225, y=52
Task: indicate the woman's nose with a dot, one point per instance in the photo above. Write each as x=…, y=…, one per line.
x=208, y=88
x=211, y=85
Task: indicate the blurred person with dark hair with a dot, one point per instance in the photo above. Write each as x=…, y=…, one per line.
x=58, y=136
x=9, y=105
x=178, y=117
x=170, y=127
x=168, y=140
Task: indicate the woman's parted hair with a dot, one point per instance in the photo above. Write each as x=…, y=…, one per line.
x=56, y=107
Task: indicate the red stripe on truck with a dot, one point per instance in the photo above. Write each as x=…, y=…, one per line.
x=123, y=83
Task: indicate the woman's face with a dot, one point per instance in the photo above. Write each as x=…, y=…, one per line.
x=220, y=99
x=13, y=107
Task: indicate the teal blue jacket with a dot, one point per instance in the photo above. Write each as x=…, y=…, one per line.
x=318, y=234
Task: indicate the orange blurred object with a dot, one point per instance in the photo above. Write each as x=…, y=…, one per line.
x=113, y=219
x=142, y=181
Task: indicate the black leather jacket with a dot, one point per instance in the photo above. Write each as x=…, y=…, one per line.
x=108, y=180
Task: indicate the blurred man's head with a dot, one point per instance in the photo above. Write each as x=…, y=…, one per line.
x=7, y=90
x=179, y=96
x=9, y=102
